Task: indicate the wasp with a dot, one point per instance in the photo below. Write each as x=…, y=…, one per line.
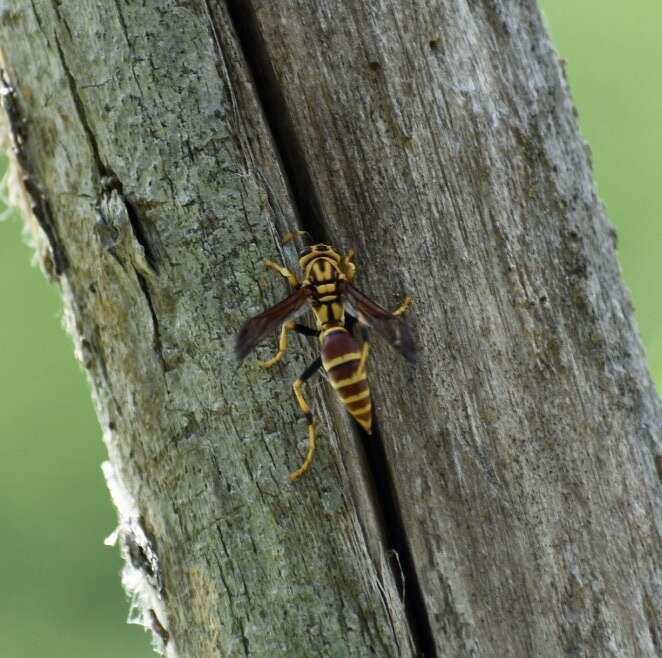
x=337, y=305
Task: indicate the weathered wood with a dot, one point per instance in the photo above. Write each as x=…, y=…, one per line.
x=131, y=129
x=439, y=139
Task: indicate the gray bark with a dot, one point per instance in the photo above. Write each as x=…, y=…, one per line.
x=166, y=150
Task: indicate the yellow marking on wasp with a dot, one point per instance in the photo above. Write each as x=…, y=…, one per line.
x=331, y=330
x=306, y=259
x=312, y=432
x=365, y=424
x=323, y=314
x=328, y=298
x=283, y=271
x=357, y=377
x=404, y=307
x=330, y=269
x=362, y=410
x=338, y=311
x=326, y=287
x=364, y=356
x=355, y=398
x=332, y=253
x=339, y=360
x=348, y=267
x=282, y=346
x=322, y=270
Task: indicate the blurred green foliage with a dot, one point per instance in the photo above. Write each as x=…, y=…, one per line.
x=613, y=52
x=61, y=595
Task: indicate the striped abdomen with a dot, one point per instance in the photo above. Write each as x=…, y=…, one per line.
x=341, y=356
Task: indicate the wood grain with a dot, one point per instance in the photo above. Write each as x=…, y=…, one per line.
x=176, y=144
x=440, y=140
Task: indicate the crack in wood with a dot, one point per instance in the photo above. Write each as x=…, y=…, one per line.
x=395, y=537
x=108, y=179
x=279, y=121
x=158, y=627
x=157, y=343
x=111, y=183
x=40, y=206
x=305, y=201
x=80, y=110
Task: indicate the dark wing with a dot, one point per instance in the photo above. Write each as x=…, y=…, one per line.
x=256, y=328
x=391, y=327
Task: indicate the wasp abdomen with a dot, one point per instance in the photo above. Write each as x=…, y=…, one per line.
x=341, y=358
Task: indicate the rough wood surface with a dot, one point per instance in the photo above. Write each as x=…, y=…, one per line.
x=440, y=140
x=132, y=133
x=168, y=147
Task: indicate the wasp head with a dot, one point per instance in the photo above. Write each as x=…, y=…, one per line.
x=318, y=251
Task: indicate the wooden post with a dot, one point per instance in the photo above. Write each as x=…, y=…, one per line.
x=509, y=504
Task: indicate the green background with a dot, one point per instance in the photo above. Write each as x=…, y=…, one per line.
x=61, y=595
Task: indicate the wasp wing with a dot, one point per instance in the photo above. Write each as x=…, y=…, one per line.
x=256, y=328
x=391, y=327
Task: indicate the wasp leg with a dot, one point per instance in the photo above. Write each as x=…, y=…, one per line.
x=404, y=307
x=305, y=407
x=283, y=271
x=282, y=341
x=282, y=346
x=348, y=266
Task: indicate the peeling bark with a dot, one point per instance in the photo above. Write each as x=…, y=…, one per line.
x=510, y=506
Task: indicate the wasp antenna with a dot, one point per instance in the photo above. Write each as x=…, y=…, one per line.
x=293, y=235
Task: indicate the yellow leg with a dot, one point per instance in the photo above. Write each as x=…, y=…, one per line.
x=282, y=346
x=312, y=431
x=404, y=307
x=312, y=442
x=349, y=267
x=283, y=271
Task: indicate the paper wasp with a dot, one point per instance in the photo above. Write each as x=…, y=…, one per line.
x=337, y=305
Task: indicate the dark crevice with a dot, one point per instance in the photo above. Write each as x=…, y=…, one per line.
x=157, y=344
x=38, y=19
x=109, y=181
x=139, y=233
x=80, y=111
x=61, y=18
x=278, y=118
x=158, y=627
x=306, y=203
x=122, y=22
x=40, y=206
x=41, y=209
x=138, y=556
x=112, y=182
x=400, y=556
